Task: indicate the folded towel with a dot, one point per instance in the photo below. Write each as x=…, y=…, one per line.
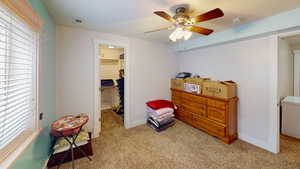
x=160, y=123
x=159, y=112
x=161, y=117
x=152, y=121
x=67, y=147
x=82, y=136
x=158, y=104
x=161, y=128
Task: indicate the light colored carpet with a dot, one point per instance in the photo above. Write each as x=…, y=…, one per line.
x=180, y=147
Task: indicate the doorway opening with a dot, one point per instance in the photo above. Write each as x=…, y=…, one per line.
x=288, y=93
x=112, y=84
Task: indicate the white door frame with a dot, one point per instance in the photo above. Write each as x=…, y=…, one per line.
x=97, y=99
x=275, y=101
x=296, y=72
x=274, y=138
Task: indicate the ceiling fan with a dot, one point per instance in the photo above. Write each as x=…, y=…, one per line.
x=184, y=25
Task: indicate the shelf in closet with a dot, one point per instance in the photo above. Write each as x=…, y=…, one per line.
x=109, y=60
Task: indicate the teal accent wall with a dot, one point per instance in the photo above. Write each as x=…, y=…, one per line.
x=277, y=23
x=38, y=152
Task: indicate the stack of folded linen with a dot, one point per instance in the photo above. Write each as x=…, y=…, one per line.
x=62, y=144
x=160, y=114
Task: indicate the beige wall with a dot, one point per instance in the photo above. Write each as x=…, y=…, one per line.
x=285, y=70
x=249, y=64
x=151, y=65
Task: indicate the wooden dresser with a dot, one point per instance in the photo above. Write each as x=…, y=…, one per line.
x=215, y=116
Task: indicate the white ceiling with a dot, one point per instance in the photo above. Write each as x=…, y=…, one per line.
x=134, y=17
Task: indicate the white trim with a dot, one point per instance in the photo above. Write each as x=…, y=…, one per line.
x=38, y=122
x=46, y=162
x=127, y=97
x=96, y=113
x=274, y=137
x=296, y=72
x=256, y=142
x=19, y=151
x=288, y=34
x=97, y=99
x=136, y=123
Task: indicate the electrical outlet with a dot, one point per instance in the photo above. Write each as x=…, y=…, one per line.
x=41, y=116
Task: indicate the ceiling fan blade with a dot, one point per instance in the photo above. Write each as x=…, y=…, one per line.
x=161, y=29
x=164, y=15
x=215, y=13
x=203, y=31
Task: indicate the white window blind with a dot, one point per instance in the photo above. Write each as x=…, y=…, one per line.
x=18, y=51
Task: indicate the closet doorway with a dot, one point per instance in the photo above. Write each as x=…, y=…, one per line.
x=288, y=96
x=112, y=83
x=111, y=86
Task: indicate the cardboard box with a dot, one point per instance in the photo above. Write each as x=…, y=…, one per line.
x=194, y=85
x=221, y=89
x=177, y=84
x=197, y=81
x=192, y=88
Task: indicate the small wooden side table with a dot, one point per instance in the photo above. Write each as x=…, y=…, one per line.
x=69, y=128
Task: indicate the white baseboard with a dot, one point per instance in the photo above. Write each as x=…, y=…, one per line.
x=128, y=126
x=46, y=162
x=135, y=123
x=95, y=135
x=259, y=143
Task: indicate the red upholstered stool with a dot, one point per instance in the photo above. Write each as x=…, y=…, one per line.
x=70, y=126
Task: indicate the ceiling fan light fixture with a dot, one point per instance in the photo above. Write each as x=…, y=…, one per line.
x=180, y=33
x=192, y=21
x=187, y=35
x=185, y=24
x=172, y=37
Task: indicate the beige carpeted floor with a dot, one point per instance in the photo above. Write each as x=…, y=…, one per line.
x=180, y=147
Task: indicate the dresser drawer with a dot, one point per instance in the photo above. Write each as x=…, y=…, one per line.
x=179, y=110
x=210, y=114
x=217, y=104
x=176, y=101
x=216, y=114
x=176, y=93
x=196, y=109
x=194, y=104
x=175, y=97
x=194, y=98
x=184, y=116
x=179, y=114
x=210, y=126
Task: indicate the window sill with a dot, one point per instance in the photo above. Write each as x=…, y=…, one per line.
x=18, y=152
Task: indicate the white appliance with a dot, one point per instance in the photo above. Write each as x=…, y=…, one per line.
x=291, y=116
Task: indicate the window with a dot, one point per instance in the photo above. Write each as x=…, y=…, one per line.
x=18, y=53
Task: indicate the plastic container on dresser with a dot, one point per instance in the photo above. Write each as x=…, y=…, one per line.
x=215, y=116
